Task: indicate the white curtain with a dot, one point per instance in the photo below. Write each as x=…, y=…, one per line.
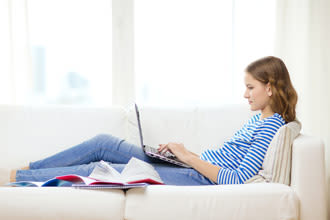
x=15, y=64
x=302, y=41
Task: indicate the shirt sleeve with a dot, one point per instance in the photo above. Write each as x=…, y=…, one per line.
x=253, y=160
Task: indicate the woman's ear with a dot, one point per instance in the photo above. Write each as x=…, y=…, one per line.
x=269, y=90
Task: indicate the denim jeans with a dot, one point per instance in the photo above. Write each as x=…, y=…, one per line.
x=82, y=158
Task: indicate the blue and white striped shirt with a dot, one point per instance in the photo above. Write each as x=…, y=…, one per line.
x=242, y=156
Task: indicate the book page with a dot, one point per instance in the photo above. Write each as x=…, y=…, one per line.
x=50, y=182
x=137, y=170
x=104, y=172
x=26, y=184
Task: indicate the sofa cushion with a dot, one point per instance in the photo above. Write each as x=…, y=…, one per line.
x=52, y=203
x=257, y=201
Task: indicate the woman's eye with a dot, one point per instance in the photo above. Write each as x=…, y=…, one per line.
x=250, y=88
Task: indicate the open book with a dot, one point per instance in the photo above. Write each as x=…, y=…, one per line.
x=136, y=173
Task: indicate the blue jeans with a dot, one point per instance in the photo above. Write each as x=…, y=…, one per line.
x=82, y=158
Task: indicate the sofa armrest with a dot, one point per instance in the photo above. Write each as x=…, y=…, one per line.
x=308, y=177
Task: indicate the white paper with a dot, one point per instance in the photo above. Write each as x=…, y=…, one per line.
x=104, y=172
x=137, y=170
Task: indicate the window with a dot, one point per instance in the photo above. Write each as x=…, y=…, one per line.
x=164, y=52
x=254, y=37
x=71, y=48
x=193, y=52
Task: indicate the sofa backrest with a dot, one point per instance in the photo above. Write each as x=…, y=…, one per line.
x=197, y=128
x=30, y=133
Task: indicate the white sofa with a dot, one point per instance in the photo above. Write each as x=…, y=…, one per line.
x=31, y=133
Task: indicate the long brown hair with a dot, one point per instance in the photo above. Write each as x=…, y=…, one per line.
x=284, y=97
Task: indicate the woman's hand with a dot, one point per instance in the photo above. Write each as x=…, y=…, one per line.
x=177, y=149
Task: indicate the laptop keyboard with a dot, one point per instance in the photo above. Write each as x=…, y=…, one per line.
x=155, y=151
x=168, y=156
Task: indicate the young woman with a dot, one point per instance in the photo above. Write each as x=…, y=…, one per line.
x=268, y=89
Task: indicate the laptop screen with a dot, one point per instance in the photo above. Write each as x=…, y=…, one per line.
x=139, y=124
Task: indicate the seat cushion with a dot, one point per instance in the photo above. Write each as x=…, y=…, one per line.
x=50, y=203
x=251, y=201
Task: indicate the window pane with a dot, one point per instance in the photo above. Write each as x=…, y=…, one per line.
x=71, y=51
x=193, y=52
x=254, y=36
x=183, y=51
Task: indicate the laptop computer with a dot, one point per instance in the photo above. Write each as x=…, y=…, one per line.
x=153, y=152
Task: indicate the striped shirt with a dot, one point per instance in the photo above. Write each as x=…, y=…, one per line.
x=241, y=157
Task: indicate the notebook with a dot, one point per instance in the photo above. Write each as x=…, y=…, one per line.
x=109, y=186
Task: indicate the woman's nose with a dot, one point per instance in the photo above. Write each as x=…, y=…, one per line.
x=246, y=94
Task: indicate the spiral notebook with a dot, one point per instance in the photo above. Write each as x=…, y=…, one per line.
x=107, y=186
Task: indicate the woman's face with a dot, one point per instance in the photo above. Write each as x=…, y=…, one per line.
x=257, y=93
